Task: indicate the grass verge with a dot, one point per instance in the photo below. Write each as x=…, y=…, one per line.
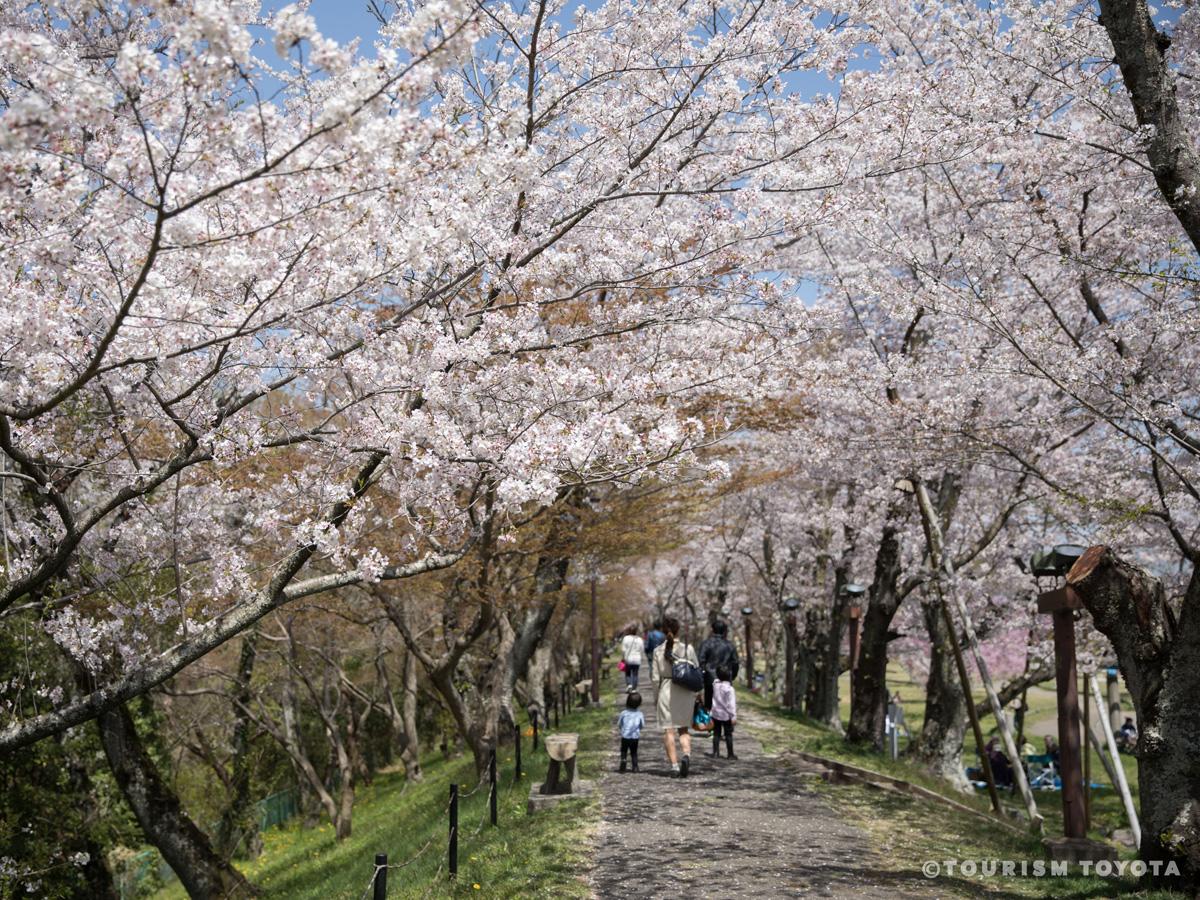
x=545, y=855
x=908, y=831
x=1107, y=812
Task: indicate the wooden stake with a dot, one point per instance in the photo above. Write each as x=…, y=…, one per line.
x=933, y=534
x=595, y=646
x=1122, y=784
x=984, y=763
x=1094, y=740
x=1087, y=763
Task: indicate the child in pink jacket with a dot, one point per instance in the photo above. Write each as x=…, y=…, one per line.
x=724, y=712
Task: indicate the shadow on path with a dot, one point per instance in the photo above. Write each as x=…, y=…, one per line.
x=741, y=828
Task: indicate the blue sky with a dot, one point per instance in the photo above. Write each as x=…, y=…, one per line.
x=345, y=20
x=342, y=20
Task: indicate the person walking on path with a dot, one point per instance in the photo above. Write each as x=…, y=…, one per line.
x=631, y=722
x=676, y=703
x=717, y=651
x=724, y=712
x=654, y=637
x=631, y=654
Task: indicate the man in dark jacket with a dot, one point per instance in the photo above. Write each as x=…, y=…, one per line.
x=654, y=637
x=717, y=651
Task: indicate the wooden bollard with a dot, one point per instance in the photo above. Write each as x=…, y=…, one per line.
x=492, y=784
x=453, y=849
x=517, y=744
x=380, y=882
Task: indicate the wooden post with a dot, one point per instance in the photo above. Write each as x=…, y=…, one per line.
x=453, y=849
x=1061, y=604
x=1094, y=740
x=517, y=728
x=492, y=784
x=380, y=883
x=855, y=615
x=1087, y=762
x=533, y=714
x=933, y=534
x=595, y=645
x=749, y=655
x=1118, y=769
x=789, y=662
x=984, y=763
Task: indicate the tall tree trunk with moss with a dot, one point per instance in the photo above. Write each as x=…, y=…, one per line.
x=237, y=825
x=1159, y=657
x=940, y=743
x=410, y=749
x=868, y=708
x=187, y=850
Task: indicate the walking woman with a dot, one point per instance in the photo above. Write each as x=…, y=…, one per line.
x=631, y=655
x=676, y=703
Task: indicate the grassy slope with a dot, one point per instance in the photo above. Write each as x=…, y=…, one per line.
x=546, y=855
x=908, y=831
x=1107, y=812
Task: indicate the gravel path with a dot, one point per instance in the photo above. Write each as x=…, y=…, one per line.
x=732, y=829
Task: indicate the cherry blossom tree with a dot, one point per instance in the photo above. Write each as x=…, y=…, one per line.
x=397, y=276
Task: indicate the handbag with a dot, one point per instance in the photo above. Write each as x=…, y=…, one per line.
x=684, y=674
x=702, y=720
x=621, y=666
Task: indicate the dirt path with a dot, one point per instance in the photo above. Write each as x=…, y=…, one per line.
x=733, y=828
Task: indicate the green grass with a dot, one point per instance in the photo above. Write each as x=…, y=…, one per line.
x=907, y=831
x=545, y=855
x=1108, y=813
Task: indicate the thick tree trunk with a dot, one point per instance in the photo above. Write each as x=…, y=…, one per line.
x=824, y=705
x=410, y=749
x=442, y=673
x=1160, y=660
x=550, y=576
x=345, y=805
x=810, y=655
x=939, y=746
x=203, y=873
x=237, y=827
x=869, y=704
x=498, y=706
x=1141, y=52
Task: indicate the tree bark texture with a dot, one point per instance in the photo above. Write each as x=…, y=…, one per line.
x=1159, y=657
x=1141, y=52
x=868, y=708
x=203, y=873
x=940, y=744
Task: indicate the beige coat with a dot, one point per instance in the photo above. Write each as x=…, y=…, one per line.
x=675, y=702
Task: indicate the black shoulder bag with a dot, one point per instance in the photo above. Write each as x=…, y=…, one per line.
x=684, y=674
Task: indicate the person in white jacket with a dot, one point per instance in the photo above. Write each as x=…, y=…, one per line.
x=631, y=653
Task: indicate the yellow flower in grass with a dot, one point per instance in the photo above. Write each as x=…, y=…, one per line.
x=476, y=886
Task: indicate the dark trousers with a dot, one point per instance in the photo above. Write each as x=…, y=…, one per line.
x=631, y=676
x=629, y=747
x=708, y=689
x=720, y=725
